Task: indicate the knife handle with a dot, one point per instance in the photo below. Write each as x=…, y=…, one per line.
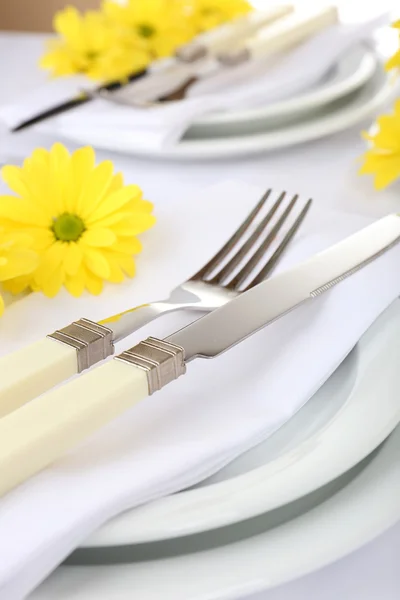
x=290, y=31
x=230, y=34
x=32, y=371
x=42, y=431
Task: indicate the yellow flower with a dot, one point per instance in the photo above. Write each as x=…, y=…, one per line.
x=16, y=257
x=394, y=61
x=383, y=158
x=82, y=218
x=211, y=13
x=159, y=25
x=91, y=45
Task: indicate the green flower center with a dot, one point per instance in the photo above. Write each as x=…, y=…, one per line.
x=146, y=31
x=68, y=228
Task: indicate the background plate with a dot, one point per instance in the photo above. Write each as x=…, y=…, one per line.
x=351, y=72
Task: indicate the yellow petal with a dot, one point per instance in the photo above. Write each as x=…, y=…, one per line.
x=82, y=163
x=53, y=285
x=13, y=177
x=76, y=284
x=97, y=263
x=20, y=211
x=94, y=189
x=73, y=259
x=18, y=262
x=98, y=237
x=50, y=263
x=128, y=246
x=114, y=202
x=127, y=264
x=94, y=285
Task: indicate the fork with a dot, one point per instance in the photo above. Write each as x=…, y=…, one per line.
x=238, y=266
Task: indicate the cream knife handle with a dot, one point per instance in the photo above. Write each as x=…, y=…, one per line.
x=290, y=31
x=32, y=371
x=42, y=431
x=230, y=34
x=34, y=436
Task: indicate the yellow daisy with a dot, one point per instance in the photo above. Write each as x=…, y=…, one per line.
x=212, y=13
x=16, y=257
x=383, y=158
x=159, y=25
x=81, y=217
x=91, y=45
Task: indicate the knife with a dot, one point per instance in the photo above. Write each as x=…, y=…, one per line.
x=81, y=98
x=218, y=39
x=40, y=432
x=172, y=83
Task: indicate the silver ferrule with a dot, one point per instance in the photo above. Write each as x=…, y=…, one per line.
x=233, y=58
x=162, y=361
x=92, y=342
x=191, y=53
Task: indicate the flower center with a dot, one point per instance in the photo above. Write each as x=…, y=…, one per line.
x=92, y=55
x=68, y=228
x=146, y=31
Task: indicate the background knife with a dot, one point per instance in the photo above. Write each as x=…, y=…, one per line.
x=40, y=432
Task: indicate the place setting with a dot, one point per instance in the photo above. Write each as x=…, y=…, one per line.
x=198, y=397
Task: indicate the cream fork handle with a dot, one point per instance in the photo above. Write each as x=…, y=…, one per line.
x=35, y=369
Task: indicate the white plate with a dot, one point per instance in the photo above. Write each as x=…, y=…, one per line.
x=258, y=557
x=338, y=117
x=349, y=417
x=351, y=72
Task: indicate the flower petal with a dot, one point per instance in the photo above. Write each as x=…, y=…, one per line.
x=73, y=259
x=97, y=263
x=98, y=237
x=114, y=202
x=94, y=189
x=18, y=262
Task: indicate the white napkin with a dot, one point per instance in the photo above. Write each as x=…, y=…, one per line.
x=257, y=83
x=218, y=410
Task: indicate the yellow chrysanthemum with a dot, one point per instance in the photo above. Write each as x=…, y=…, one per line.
x=82, y=219
x=383, y=158
x=212, y=13
x=16, y=257
x=90, y=44
x=394, y=61
x=160, y=25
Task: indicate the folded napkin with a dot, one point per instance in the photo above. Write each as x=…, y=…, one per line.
x=198, y=424
x=256, y=83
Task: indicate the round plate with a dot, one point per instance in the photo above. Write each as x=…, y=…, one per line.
x=351, y=72
x=349, y=417
x=259, y=556
x=337, y=117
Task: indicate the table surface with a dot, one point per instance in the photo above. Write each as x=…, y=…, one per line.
x=325, y=170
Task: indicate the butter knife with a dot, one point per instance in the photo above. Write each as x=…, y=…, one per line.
x=40, y=432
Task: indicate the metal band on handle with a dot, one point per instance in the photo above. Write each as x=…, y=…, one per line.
x=162, y=361
x=93, y=342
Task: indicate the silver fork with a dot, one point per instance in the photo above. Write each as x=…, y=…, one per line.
x=237, y=267
x=216, y=283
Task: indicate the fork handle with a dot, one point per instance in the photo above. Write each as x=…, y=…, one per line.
x=35, y=369
x=32, y=371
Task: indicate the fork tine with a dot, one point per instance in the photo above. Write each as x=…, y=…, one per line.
x=221, y=254
x=226, y=271
x=257, y=256
x=272, y=262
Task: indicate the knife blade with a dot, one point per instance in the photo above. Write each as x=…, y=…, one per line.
x=37, y=434
x=72, y=103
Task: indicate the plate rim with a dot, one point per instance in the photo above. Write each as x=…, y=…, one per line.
x=306, y=100
x=274, y=557
x=238, y=146
x=250, y=494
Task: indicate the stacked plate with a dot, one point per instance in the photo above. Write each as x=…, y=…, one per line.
x=349, y=93
x=278, y=512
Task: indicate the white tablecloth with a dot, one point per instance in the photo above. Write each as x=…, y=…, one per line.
x=325, y=170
